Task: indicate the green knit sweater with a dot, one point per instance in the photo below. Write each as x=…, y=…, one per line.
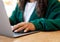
x=51, y=20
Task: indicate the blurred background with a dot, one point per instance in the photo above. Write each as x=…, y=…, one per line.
x=9, y=6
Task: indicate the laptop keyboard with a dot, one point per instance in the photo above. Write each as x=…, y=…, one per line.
x=23, y=31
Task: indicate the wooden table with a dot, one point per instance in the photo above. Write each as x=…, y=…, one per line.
x=6, y=39
x=37, y=37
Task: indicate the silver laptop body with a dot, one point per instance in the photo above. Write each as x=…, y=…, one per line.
x=5, y=27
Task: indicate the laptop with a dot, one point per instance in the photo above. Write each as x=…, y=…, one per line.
x=5, y=27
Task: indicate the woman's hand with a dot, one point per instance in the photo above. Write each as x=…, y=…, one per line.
x=23, y=26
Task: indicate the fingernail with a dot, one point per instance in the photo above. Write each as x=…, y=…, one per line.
x=15, y=31
x=25, y=30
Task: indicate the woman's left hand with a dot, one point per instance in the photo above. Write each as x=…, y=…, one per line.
x=24, y=26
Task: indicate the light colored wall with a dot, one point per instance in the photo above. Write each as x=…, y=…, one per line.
x=9, y=6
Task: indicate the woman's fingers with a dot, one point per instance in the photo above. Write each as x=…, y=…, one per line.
x=21, y=28
x=26, y=30
x=18, y=25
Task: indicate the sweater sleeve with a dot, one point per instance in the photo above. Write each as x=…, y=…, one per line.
x=52, y=22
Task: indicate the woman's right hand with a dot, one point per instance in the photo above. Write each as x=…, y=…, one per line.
x=23, y=26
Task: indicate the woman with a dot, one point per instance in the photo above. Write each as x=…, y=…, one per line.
x=30, y=15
